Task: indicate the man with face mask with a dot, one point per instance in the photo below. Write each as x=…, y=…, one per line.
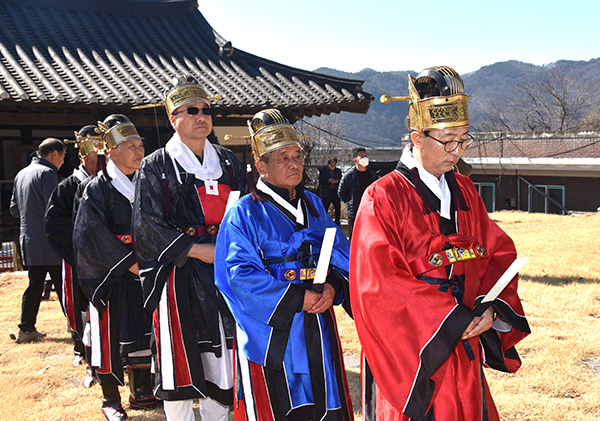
x=354, y=183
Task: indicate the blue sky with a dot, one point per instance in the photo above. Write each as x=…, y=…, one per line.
x=388, y=35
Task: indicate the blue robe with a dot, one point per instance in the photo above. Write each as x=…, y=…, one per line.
x=266, y=296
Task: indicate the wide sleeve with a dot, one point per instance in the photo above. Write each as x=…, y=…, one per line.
x=159, y=243
x=407, y=328
x=511, y=325
x=101, y=257
x=58, y=220
x=262, y=305
x=156, y=237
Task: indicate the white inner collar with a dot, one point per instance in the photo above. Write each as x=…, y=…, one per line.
x=120, y=181
x=439, y=187
x=297, y=212
x=209, y=169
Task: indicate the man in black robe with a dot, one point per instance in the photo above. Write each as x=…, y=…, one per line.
x=58, y=223
x=181, y=196
x=108, y=273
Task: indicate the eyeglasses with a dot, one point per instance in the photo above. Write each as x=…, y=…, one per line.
x=195, y=110
x=451, y=145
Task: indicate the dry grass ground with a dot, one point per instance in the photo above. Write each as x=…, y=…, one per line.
x=560, y=288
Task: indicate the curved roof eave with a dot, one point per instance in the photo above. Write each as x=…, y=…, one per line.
x=46, y=58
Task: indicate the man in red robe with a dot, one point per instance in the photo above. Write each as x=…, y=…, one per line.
x=424, y=254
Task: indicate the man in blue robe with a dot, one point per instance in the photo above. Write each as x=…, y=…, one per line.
x=288, y=354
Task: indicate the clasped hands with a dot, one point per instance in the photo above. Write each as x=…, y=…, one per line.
x=317, y=303
x=479, y=324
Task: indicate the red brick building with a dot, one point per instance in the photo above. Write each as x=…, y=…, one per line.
x=537, y=172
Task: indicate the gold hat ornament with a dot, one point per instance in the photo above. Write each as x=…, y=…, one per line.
x=184, y=89
x=117, y=129
x=269, y=130
x=448, y=109
x=88, y=140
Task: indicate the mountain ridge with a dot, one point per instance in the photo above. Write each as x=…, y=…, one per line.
x=488, y=87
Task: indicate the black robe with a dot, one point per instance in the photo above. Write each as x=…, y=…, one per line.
x=104, y=253
x=161, y=216
x=58, y=222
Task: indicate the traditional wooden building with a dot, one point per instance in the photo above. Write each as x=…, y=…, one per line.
x=68, y=63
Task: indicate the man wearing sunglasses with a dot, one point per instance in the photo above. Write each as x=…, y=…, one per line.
x=424, y=254
x=180, y=201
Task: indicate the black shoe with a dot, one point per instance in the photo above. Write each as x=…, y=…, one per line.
x=114, y=414
x=140, y=389
x=149, y=402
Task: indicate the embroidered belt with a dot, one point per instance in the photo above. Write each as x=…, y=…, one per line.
x=125, y=238
x=200, y=230
x=445, y=258
x=302, y=274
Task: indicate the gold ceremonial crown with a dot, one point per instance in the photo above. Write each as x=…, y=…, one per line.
x=437, y=112
x=87, y=140
x=117, y=129
x=272, y=137
x=182, y=94
x=269, y=130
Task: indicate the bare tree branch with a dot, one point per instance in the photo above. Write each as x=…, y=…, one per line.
x=551, y=100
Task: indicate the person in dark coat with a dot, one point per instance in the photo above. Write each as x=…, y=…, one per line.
x=32, y=189
x=354, y=183
x=329, y=179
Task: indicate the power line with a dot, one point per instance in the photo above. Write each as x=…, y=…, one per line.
x=332, y=134
x=356, y=142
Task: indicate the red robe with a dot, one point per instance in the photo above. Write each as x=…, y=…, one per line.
x=408, y=320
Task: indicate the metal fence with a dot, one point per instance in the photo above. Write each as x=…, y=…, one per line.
x=7, y=260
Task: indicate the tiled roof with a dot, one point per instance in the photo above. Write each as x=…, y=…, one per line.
x=535, y=145
x=124, y=52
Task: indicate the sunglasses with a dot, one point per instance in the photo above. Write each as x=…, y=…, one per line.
x=195, y=110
